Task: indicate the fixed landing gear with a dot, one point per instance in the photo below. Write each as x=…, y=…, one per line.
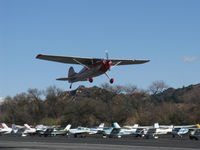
x=90, y=80
x=111, y=79
x=70, y=86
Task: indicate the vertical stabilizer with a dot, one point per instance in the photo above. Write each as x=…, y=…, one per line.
x=67, y=127
x=71, y=72
x=14, y=127
x=156, y=125
x=27, y=126
x=101, y=125
x=4, y=126
x=116, y=125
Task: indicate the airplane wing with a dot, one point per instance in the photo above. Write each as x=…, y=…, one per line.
x=88, y=61
x=185, y=126
x=68, y=59
x=116, y=62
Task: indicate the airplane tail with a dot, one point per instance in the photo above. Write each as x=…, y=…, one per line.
x=14, y=127
x=71, y=72
x=27, y=126
x=67, y=127
x=156, y=125
x=101, y=125
x=116, y=125
x=4, y=126
x=198, y=125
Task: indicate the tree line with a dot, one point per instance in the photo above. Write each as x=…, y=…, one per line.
x=126, y=105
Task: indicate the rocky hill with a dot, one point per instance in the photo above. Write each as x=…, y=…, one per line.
x=190, y=94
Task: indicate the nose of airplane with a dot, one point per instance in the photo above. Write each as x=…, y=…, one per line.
x=110, y=63
x=106, y=65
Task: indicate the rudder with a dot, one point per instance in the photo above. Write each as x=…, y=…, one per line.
x=71, y=72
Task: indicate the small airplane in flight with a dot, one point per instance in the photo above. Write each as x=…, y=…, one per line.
x=92, y=67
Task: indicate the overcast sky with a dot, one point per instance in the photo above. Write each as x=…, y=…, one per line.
x=165, y=31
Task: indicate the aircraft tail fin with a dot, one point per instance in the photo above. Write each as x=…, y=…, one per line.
x=156, y=125
x=71, y=72
x=101, y=125
x=4, y=126
x=67, y=127
x=13, y=126
x=135, y=125
x=116, y=125
x=27, y=126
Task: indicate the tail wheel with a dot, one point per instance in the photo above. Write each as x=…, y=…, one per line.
x=90, y=80
x=111, y=80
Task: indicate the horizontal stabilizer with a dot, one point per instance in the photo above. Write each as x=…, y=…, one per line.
x=63, y=79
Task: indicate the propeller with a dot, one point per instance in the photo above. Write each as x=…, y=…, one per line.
x=107, y=57
x=108, y=61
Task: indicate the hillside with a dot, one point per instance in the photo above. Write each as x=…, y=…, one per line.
x=190, y=94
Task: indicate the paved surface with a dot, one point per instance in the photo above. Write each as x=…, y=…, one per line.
x=96, y=143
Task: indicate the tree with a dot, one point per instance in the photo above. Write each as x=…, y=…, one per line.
x=157, y=87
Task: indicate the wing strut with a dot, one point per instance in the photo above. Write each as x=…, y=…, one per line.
x=117, y=64
x=81, y=63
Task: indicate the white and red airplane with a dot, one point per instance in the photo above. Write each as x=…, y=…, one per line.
x=92, y=67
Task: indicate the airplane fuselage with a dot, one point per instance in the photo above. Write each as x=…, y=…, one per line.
x=94, y=70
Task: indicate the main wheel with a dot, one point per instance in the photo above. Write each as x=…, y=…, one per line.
x=90, y=80
x=111, y=80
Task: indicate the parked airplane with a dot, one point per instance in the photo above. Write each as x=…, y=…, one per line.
x=17, y=130
x=83, y=131
x=179, y=131
x=92, y=67
x=121, y=131
x=158, y=130
x=59, y=131
x=5, y=129
x=195, y=134
x=153, y=131
x=41, y=128
x=25, y=130
x=95, y=130
x=28, y=130
x=111, y=131
x=79, y=131
x=183, y=129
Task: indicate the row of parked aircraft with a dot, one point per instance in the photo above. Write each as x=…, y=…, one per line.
x=113, y=131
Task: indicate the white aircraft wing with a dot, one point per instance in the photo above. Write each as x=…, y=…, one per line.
x=186, y=126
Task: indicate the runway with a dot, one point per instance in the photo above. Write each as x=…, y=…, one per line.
x=95, y=143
